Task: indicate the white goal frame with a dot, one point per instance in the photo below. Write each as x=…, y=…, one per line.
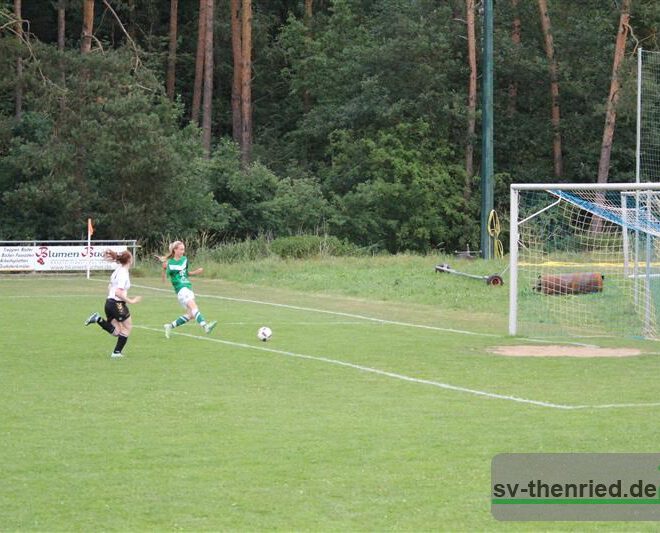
x=514, y=236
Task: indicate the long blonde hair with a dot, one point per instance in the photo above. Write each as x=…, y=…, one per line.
x=170, y=254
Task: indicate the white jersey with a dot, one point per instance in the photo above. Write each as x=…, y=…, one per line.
x=119, y=280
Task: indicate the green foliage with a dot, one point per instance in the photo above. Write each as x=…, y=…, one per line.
x=398, y=191
x=105, y=144
x=308, y=246
x=359, y=120
x=239, y=251
x=256, y=201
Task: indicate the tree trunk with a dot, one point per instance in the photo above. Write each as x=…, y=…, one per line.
x=610, y=113
x=61, y=36
x=131, y=18
x=88, y=26
x=61, y=25
x=19, y=62
x=309, y=13
x=207, y=105
x=472, y=96
x=236, y=80
x=554, y=88
x=515, y=39
x=171, y=56
x=246, y=82
x=199, y=63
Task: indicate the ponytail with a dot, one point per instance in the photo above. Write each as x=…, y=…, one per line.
x=170, y=254
x=123, y=258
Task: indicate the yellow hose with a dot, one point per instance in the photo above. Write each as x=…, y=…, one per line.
x=494, y=231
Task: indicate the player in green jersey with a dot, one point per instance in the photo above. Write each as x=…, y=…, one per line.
x=175, y=268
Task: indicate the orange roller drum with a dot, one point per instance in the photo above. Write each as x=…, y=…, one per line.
x=573, y=283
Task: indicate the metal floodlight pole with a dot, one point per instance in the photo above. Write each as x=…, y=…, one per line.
x=638, y=145
x=487, y=131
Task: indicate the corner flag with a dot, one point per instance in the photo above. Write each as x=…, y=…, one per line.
x=90, y=232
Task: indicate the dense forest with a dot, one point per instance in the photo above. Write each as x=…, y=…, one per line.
x=355, y=118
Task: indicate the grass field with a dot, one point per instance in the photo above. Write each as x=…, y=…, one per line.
x=376, y=406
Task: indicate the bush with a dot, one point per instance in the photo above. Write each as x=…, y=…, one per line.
x=236, y=252
x=306, y=246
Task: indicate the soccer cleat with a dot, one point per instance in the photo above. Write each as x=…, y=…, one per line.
x=115, y=355
x=93, y=318
x=168, y=330
x=210, y=326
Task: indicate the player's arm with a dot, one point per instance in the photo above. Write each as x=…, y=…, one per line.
x=163, y=272
x=123, y=294
x=196, y=271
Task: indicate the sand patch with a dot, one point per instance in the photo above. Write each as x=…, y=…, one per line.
x=551, y=350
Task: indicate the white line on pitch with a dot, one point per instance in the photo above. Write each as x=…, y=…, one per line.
x=403, y=377
x=297, y=323
x=367, y=318
x=336, y=313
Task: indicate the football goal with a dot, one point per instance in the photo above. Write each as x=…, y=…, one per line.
x=584, y=260
x=648, y=116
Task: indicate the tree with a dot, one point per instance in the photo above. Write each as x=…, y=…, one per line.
x=554, y=88
x=136, y=159
x=199, y=63
x=61, y=24
x=88, y=26
x=472, y=95
x=171, y=56
x=309, y=14
x=246, y=82
x=207, y=104
x=610, y=113
x=19, y=61
x=515, y=40
x=237, y=60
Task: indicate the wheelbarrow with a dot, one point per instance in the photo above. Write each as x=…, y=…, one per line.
x=493, y=279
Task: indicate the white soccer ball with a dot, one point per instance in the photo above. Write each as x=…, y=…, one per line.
x=264, y=333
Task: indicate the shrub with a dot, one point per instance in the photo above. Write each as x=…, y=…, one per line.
x=236, y=252
x=305, y=246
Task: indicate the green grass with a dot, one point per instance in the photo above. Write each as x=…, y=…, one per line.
x=228, y=433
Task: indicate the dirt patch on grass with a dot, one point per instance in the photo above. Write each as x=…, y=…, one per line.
x=551, y=350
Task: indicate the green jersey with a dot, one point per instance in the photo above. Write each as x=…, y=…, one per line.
x=177, y=273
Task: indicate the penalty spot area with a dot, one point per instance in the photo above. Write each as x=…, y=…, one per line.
x=559, y=350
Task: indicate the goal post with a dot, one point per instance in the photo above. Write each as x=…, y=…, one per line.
x=584, y=259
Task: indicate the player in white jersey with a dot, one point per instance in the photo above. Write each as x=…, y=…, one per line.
x=118, y=317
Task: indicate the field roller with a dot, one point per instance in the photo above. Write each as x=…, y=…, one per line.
x=573, y=283
x=493, y=279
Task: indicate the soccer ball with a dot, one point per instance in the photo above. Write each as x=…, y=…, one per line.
x=264, y=333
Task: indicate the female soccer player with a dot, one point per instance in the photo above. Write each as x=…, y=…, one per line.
x=118, y=317
x=175, y=268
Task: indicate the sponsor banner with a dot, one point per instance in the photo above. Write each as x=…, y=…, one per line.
x=17, y=258
x=56, y=257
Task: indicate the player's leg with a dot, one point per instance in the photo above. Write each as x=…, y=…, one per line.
x=123, y=331
x=183, y=296
x=194, y=311
x=104, y=323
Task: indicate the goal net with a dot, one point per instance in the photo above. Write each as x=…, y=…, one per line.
x=585, y=260
x=648, y=116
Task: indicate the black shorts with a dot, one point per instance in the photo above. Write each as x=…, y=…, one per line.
x=115, y=310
